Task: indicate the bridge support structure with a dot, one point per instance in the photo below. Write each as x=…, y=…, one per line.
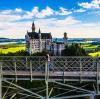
x=64, y=77
x=92, y=97
x=98, y=79
x=0, y=80
x=0, y=87
x=46, y=77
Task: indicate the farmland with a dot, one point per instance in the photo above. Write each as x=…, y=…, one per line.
x=94, y=54
x=91, y=49
x=11, y=48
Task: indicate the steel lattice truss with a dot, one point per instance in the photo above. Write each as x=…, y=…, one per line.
x=59, y=68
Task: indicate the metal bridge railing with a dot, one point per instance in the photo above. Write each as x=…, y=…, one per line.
x=57, y=65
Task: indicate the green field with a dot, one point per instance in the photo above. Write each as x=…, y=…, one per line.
x=89, y=46
x=95, y=54
x=12, y=48
x=91, y=49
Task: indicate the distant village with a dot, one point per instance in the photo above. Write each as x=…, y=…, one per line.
x=38, y=42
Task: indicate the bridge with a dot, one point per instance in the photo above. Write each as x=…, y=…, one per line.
x=59, y=71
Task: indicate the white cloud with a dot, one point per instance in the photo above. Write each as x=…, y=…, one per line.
x=54, y=22
x=67, y=21
x=14, y=29
x=96, y=1
x=89, y=24
x=11, y=15
x=48, y=12
x=80, y=10
x=9, y=18
x=74, y=30
x=5, y=12
x=15, y=11
x=45, y=12
x=94, y=4
x=63, y=11
x=40, y=14
x=18, y=29
x=34, y=12
x=18, y=13
x=18, y=10
x=73, y=27
x=9, y=27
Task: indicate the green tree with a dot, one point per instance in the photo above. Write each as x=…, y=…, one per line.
x=43, y=53
x=74, y=50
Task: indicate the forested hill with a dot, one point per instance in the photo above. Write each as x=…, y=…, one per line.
x=11, y=40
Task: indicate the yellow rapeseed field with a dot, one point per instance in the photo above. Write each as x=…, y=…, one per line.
x=95, y=54
x=12, y=49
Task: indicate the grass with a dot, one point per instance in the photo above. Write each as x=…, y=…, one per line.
x=94, y=54
x=89, y=46
x=18, y=47
x=13, y=45
x=12, y=48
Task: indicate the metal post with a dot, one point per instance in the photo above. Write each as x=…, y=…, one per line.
x=26, y=62
x=0, y=80
x=31, y=70
x=47, y=74
x=63, y=75
x=80, y=71
x=46, y=80
x=91, y=96
x=97, y=78
x=15, y=69
x=64, y=70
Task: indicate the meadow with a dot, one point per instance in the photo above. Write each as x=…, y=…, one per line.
x=91, y=49
x=89, y=46
x=94, y=54
x=11, y=48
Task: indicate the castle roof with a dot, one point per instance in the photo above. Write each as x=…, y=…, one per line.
x=46, y=35
x=35, y=35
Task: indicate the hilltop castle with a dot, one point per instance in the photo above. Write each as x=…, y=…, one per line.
x=38, y=42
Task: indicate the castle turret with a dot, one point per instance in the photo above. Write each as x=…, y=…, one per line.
x=27, y=31
x=39, y=31
x=33, y=27
x=65, y=38
x=40, y=45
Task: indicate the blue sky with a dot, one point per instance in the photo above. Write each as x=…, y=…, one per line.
x=79, y=18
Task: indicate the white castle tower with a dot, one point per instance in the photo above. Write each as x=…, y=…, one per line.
x=65, y=38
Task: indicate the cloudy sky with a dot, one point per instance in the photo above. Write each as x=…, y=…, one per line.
x=79, y=18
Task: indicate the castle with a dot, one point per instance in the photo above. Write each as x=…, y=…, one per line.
x=38, y=42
